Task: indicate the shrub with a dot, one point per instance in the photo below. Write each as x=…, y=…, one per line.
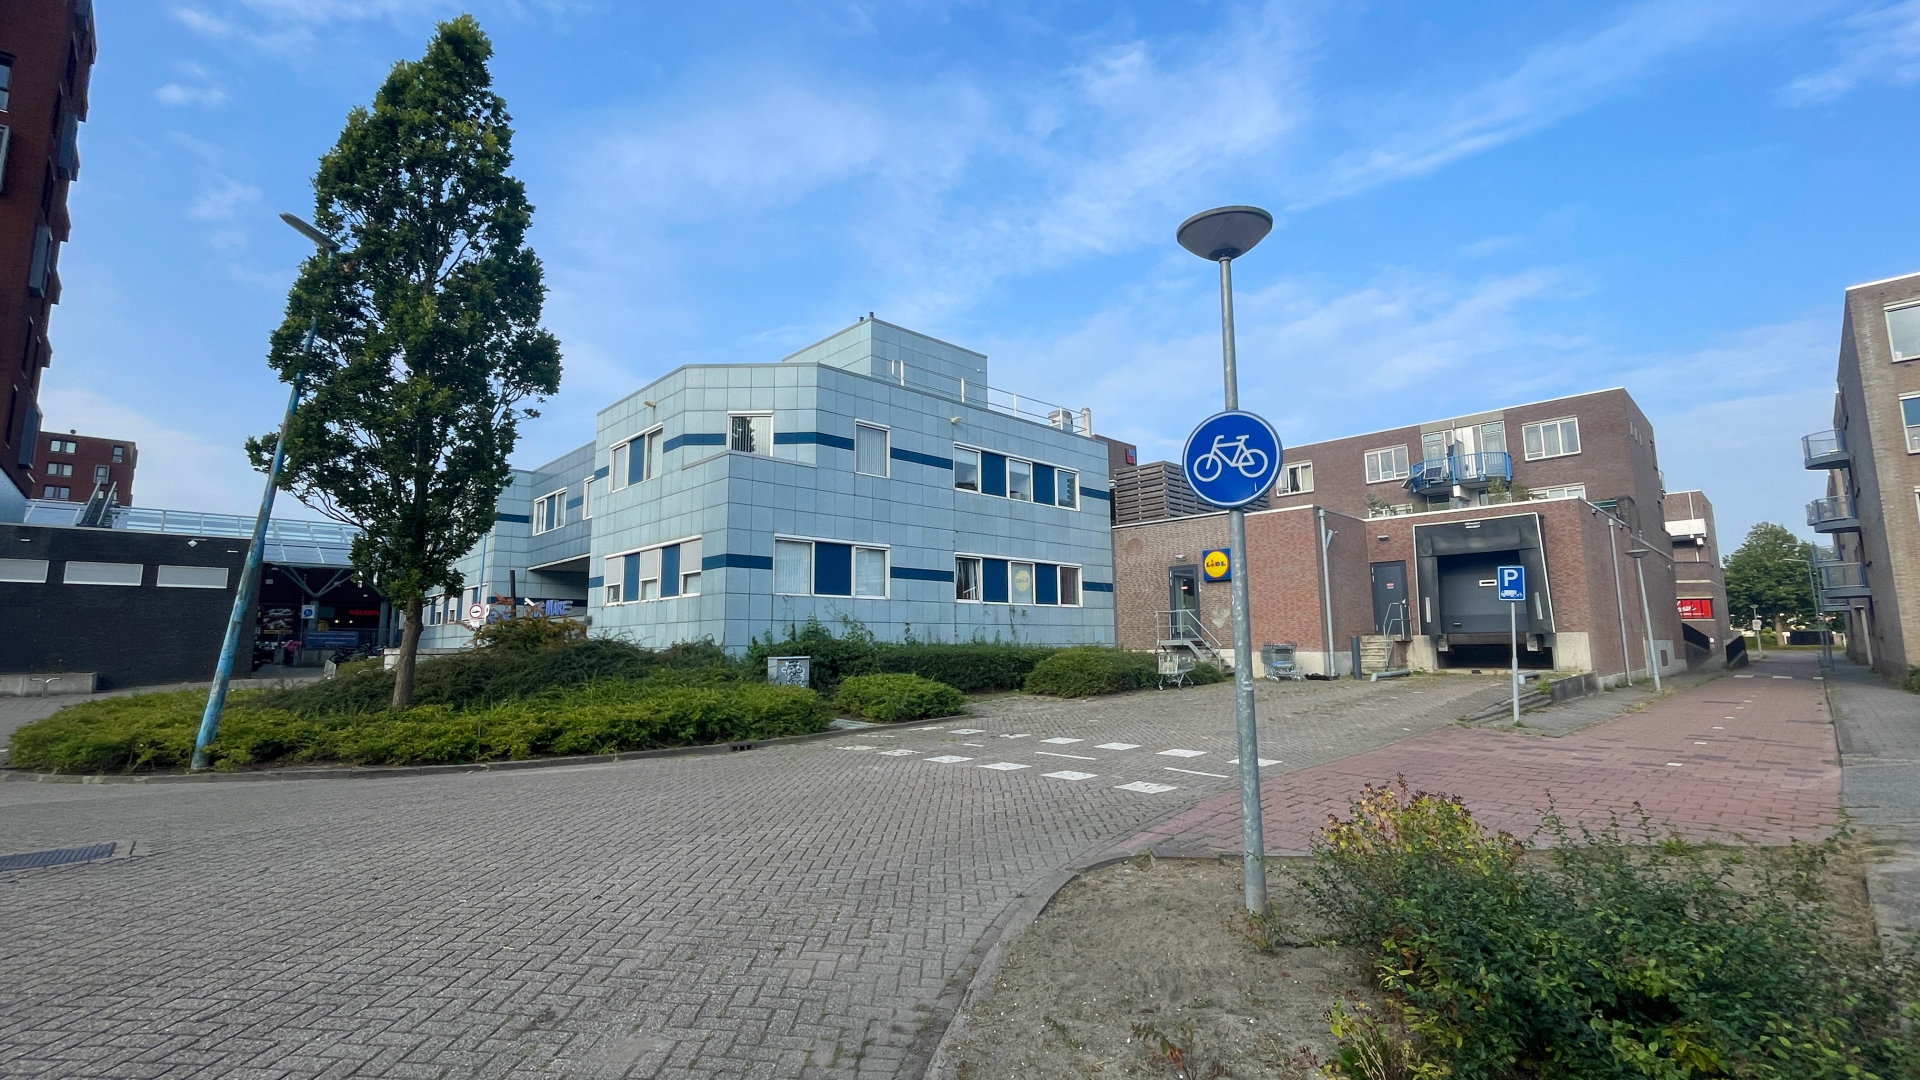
x=529, y=633
x=1912, y=682
x=898, y=697
x=1087, y=670
x=971, y=667
x=1607, y=962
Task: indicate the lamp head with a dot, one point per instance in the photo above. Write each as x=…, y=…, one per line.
x=325, y=242
x=1226, y=232
x=1639, y=553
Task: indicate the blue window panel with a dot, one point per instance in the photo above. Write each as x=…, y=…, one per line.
x=993, y=574
x=601, y=472
x=993, y=474
x=1043, y=483
x=670, y=570
x=911, y=573
x=819, y=438
x=1046, y=583
x=1095, y=493
x=694, y=438
x=636, y=460
x=735, y=559
x=630, y=577
x=1097, y=586
x=833, y=569
x=522, y=519
x=596, y=581
x=928, y=460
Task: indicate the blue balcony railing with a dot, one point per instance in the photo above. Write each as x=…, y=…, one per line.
x=1833, y=514
x=1466, y=470
x=1825, y=450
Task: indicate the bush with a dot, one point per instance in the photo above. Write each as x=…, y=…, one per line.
x=1607, y=962
x=1087, y=670
x=670, y=708
x=530, y=633
x=898, y=697
x=971, y=667
x=1912, y=683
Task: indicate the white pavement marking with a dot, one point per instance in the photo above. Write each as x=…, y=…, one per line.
x=1118, y=746
x=1069, y=774
x=1145, y=788
x=1182, y=753
x=1196, y=772
x=898, y=753
x=856, y=748
x=1005, y=766
x=1022, y=735
x=948, y=759
x=1076, y=757
x=1783, y=676
x=968, y=730
x=1061, y=741
x=1264, y=762
x=1743, y=676
x=1675, y=765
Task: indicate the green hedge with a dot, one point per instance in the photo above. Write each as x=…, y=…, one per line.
x=1087, y=671
x=156, y=731
x=898, y=697
x=971, y=667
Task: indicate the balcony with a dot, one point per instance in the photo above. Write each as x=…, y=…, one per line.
x=1834, y=514
x=1825, y=450
x=1841, y=579
x=1464, y=470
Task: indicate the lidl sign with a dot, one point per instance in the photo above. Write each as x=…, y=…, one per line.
x=1216, y=565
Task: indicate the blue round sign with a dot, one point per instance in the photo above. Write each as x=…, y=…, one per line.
x=1232, y=458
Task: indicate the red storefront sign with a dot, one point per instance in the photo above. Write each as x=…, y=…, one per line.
x=1696, y=607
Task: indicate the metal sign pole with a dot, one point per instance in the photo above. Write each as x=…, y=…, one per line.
x=1253, y=842
x=1513, y=635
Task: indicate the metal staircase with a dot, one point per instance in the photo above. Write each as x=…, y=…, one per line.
x=1182, y=631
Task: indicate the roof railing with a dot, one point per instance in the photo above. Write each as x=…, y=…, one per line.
x=982, y=396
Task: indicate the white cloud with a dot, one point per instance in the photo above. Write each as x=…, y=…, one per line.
x=223, y=203
x=1882, y=45
x=208, y=97
x=178, y=469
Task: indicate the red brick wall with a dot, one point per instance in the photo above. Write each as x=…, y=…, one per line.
x=91, y=452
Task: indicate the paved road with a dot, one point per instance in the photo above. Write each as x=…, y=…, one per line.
x=810, y=910
x=1879, y=730
x=1749, y=754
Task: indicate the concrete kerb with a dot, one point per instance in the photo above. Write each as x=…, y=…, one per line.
x=1893, y=858
x=369, y=772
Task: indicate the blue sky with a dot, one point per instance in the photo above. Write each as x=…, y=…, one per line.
x=1477, y=205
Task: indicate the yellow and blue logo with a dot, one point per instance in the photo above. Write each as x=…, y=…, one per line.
x=1216, y=565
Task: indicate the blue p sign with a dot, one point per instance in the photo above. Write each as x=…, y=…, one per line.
x=1513, y=582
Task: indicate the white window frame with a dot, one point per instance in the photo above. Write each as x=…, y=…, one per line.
x=979, y=569
x=1912, y=430
x=1013, y=595
x=1079, y=585
x=1059, y=472
x=609, y=588
x=59, y=468
x=1290, y=479
x=1559, y=491
x=1025, y=496
x=617, y=463
x=586, y=497
x=958, y=450
x=1539, y=429
x=853, y=585
x=754, y=414
x=65, y=490
x=554, y=503
x=886, y=447
x=1887, y=315
x=1396, y=459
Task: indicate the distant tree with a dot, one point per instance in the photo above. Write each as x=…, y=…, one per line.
x=429, y=328
x=1761, y=576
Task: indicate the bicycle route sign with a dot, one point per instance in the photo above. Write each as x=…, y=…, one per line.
x=1232, y=458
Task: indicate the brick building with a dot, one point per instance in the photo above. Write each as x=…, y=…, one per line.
x=46, y=53
x=1700, y=585
x=1393, y=536
x=1872, y=462
x=70, y=467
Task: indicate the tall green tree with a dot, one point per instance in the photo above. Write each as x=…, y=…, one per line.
x=1762, y=576
x=429, y=328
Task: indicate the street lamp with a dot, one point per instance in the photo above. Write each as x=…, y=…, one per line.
x=250, y=575
x=1646, y=616
x=1223, y=235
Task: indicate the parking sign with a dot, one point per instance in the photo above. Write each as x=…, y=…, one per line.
x=1513, y=583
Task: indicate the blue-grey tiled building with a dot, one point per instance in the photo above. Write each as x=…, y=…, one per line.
x=874, y=475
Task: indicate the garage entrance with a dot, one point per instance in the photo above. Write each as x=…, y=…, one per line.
x=1459, y=599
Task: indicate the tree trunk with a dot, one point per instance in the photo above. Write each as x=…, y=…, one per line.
x=1779, y=628
x=409, y=649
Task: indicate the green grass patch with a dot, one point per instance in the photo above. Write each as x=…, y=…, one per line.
x=898, y=697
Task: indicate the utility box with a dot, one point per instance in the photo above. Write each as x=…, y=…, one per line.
x=790, y=670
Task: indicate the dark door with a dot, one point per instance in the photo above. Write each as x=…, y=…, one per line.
x=1390, y=607
x=1183, y=600
x=1469, y=594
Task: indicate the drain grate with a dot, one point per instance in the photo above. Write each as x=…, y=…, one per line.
x=33, y=860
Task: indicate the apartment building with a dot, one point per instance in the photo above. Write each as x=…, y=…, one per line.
x=1871, y=457
x=873, y=476
x=1700, y=583
x=46, y=56
x=71, y=467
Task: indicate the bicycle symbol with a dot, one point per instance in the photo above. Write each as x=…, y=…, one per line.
x=1252, y=463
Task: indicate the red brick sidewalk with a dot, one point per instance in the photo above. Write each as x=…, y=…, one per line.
x=1752, y=757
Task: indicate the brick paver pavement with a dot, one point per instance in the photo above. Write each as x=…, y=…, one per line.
x=1879, y=732
x=804, y=910
x=1750, y=755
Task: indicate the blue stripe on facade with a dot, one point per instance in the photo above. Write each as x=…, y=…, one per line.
x=596, y=582
x=821, y=438
x=601, y=472
x=928, y=460
x=1096, y=493
x=573, y=504
x=1097, y=586
x=910, y=573
x=744, y=562
x=522, y=519
x=694, y=438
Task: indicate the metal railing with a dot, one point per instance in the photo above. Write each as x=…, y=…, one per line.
x=980, y=395
x=1461, y=469
x=1821, y=448
x=1186, y=626
x=1827, y=511
x=299, y=543
x=1841, y=577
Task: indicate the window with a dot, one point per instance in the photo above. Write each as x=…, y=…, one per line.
x=1067, y=489
x=870, y=449
x=689, y=562
x=59, y=468
x=119, y=453
x=792, y=567
x=1019, y=480
x=586, y=497
x=1910, y=418
x=6, y=82
x=656, y=573
x=966, y=469
x=550, y=511
x=1696, y=607
x=826, y=568
x=870, y=572
x=1388, y=463
x=103, y=573
x=64, y=446
x=619, y=459
x=1493, y=437
x=100, y=474
x=24, y=571
x=1903, y=331
x=1021, y=574
x=54, y=492
x=1070, y=586
x=750, y=433
x=1562, y=491
x=190, y=577
x=1296, y=478
x=1553, y=438
x=433, y=612
x=650, y=457
x=966, y=579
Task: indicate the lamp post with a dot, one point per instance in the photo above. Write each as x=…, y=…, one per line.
x=1221, y=236
x=1646, y=615
x=1826, y=633
x=250, y=575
